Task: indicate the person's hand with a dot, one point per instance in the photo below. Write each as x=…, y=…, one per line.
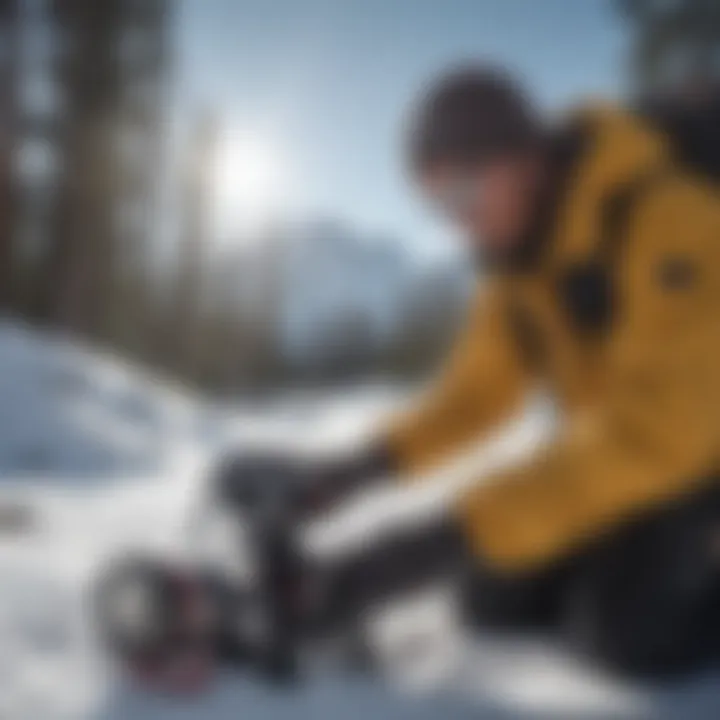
x=261, y=481
x=275, y=482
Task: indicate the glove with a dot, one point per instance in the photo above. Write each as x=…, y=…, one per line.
x=261, y=482
x=280, y=484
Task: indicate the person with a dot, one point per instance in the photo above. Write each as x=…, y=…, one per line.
x=600, y=282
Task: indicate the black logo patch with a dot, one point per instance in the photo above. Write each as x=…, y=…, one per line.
x=586, y=294
x=677, y=274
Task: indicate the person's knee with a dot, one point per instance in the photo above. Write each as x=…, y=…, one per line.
x=650, y=639
x=494, y=600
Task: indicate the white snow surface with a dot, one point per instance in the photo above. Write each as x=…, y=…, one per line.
x=105, y=458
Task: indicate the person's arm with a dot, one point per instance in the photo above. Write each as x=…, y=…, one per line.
x=483, y=383
x=656, y=432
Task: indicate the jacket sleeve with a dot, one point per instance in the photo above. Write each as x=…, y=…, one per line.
x=481, y=384
x=656, y=432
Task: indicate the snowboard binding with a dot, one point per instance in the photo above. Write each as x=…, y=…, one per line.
x=159, y=621
x=171, y=626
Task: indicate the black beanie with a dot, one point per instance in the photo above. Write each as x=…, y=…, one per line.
x=470, y=115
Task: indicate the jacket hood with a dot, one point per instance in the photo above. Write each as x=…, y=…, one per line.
x=621, y=149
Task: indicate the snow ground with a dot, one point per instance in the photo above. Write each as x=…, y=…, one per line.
x=107, y=458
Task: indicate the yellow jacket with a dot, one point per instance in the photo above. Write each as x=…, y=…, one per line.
x=641, y=395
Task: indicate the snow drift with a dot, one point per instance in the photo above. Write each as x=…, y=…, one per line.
x=106, y=457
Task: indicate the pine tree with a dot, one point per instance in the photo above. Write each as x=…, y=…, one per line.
x=673, y=42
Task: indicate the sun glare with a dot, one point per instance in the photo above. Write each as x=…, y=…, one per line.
x=250, y=182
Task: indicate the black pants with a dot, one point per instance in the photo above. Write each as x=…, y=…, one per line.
x=643, y=601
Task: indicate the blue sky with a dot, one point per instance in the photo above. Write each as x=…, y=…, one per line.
x=329, y=82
